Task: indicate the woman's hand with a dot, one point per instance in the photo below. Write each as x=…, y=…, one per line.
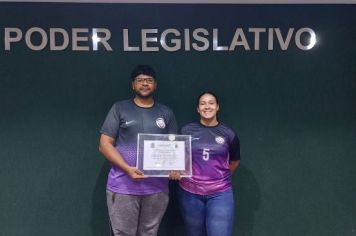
x=174, y=175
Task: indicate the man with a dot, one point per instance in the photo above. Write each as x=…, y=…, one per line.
x=135, y=202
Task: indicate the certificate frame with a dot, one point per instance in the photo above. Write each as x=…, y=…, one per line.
x=159, y=154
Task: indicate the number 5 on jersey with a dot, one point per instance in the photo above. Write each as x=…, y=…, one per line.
x=206, y=154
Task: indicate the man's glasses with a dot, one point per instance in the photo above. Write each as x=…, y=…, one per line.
x=143, y=80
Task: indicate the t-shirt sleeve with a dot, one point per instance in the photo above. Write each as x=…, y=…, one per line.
x=185, y=129
x=172, y=124
x=234, y=149
x=112, y=123
x=180, y=130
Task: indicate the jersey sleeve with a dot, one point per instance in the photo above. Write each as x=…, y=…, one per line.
x=181, y=130
x=111, y=124
x=234, y=149
x=184, y=129
x=172, y=123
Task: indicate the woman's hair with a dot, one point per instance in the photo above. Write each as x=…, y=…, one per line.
x=210, y=93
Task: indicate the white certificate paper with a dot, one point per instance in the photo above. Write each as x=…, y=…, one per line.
x=160, y=154
x=164, y=155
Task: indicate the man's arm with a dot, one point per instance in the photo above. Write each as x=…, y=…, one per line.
x=106, y=147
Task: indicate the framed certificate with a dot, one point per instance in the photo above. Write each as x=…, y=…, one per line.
x=159, y=154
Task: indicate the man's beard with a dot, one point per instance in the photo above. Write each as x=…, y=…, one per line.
x=138, y=94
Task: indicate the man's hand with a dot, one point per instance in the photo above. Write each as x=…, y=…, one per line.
x=135, y=174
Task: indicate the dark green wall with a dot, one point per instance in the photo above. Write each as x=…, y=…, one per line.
x=294, y=111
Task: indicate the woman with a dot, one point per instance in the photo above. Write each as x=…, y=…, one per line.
x=206, y=199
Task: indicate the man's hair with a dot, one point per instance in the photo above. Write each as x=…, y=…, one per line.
x=144, y=70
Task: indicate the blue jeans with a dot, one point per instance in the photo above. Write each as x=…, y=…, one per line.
x=207, y=215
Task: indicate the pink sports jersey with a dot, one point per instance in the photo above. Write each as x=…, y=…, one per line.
x=212, y=149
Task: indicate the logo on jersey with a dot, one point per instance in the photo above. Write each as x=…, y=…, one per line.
x=219, y=140
x=160, y=123
x=128, y=123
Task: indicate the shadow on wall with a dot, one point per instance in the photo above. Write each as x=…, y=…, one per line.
x=247, y=200
x=99, y=220
x=172, y=222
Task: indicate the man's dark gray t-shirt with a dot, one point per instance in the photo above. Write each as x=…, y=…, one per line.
x=123, y=122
